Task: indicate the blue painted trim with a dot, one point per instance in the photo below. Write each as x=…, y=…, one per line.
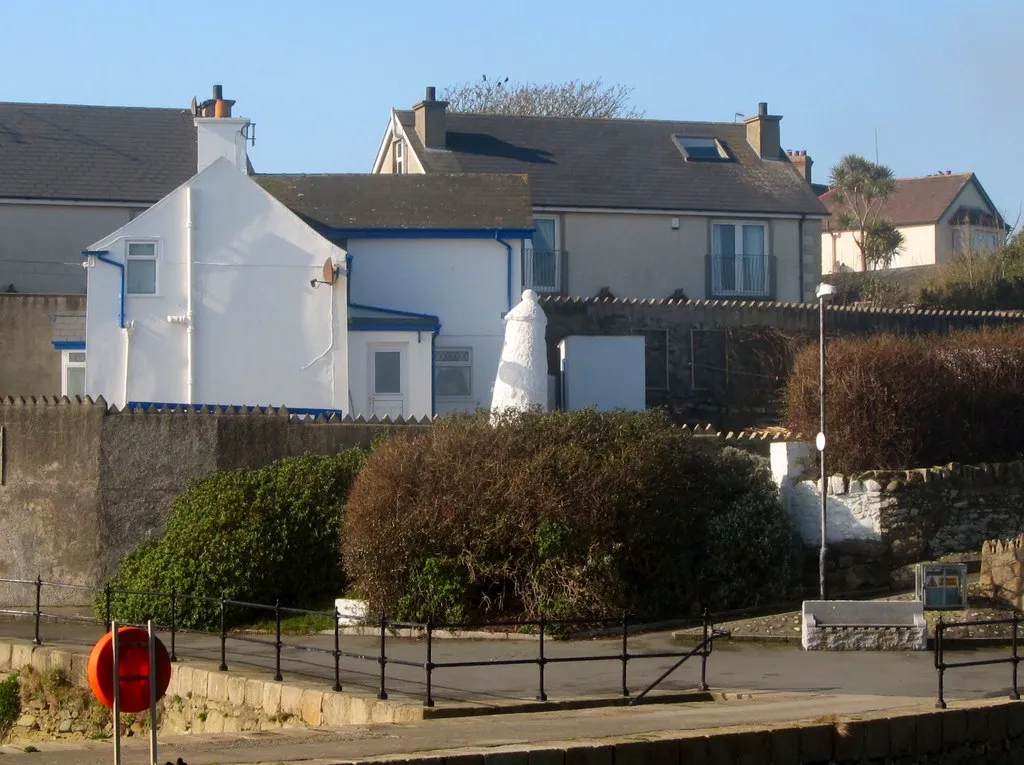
x=348, y=277
x=103, y=255
x=69, y=345
x=425, y=233
x=372, y=326
x=291, y=410
x=394, y=311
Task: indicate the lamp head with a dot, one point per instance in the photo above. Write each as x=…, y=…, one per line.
x=824, y=291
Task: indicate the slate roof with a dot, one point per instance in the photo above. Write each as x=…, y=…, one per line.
x=917, y=201
x=617, y=163
x=94, y=153
x=342, y=201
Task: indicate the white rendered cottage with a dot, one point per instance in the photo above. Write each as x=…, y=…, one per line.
x=369, y=295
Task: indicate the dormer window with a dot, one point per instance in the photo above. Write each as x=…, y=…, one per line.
x=701, y=149
x=399, y=157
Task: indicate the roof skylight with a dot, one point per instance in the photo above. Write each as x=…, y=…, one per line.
x=701, y=149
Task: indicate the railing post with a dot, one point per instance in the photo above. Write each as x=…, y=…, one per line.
x=223, y=636
x=337, y=650
x=541, y=661
x=174, y=621
x=429, y=666
x=704, y=654
x=277, y=640
x=939, y=661
x=625, y=653
x=106, y=607
x=1015, y=693
x=382, y=693
x=39, y=596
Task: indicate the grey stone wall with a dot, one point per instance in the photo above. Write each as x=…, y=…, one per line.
x=29, y=365
x=82, y=485
x=727, y=360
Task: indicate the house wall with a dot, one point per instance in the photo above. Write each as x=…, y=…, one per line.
x=968, y=197
x=416, y=370
x=257, y=322
x=41, y=244
x=464, y=282
x=919, y=249
x=641, y=255
x=29, y=365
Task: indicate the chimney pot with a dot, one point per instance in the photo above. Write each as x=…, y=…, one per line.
x=762, y=109
x=431, y=94
x=218, y=92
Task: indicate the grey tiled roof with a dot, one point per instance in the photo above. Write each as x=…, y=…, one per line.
x=101, y=153
x=405, y=201
x=618, y=163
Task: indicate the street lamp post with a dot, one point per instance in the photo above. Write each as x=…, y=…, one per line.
x=823, y=292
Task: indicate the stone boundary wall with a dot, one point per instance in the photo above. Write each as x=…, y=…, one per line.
x=726, y=360
x=882, y=520
x=1002, y=570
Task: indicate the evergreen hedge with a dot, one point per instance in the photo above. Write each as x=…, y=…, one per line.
x=565, y=515
x=254, y=535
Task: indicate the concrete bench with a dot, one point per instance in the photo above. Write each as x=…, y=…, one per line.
x=859, y=625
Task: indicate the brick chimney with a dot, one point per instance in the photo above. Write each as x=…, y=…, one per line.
x=802, y=163
x=763, y=133
x=432, y=121
x=218, y=134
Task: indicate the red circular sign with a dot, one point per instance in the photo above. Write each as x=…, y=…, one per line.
x=132, y=666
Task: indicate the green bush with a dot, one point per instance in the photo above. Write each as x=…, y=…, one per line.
x=253, y=535
x=10, y=704
x=569, y=515
x=979, y=282
x=898, y=402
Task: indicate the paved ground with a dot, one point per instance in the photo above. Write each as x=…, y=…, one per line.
x=472, y=734
x=737, y=666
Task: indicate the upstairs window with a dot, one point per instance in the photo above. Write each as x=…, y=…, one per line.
x=702, y=149
x=399, y=157
x=140, y=268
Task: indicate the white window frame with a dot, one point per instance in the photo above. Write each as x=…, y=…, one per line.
x=740, y=288
x=461, y=364
x=399, y=154
x=67, y=363
x=529, y=277
x=156, y=266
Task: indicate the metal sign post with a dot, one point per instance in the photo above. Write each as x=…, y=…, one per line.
x=152, y=693
x=117, y=693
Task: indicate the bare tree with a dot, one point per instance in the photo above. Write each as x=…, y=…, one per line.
x=575, y=98
x=861, y=187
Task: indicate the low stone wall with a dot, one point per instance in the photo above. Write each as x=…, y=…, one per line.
x=881, y=520
x=1002, y=570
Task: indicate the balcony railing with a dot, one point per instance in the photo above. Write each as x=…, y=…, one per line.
x=741, y=276
x=544, y=270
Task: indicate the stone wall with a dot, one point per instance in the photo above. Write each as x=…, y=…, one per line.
x=881, y=520
x=29, y=364
x=727, y=360
x=1002, y=570
x=81, y=486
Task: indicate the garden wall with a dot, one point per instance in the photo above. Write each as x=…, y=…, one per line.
x=881, y=520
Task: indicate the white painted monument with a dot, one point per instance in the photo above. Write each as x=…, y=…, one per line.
x=522, y=380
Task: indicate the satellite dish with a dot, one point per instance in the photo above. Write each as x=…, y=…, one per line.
x=329, y=272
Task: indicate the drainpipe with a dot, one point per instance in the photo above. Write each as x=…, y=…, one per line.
x=187, y=319
x=508, y=251
x=800, y=249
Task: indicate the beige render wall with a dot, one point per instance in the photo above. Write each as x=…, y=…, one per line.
x=52, y=237
x=29, y=365
x=634, y=255
x=919, y=249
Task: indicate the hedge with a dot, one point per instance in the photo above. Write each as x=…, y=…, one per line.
x=254, y=535
x=896, y=402
x=564, y=515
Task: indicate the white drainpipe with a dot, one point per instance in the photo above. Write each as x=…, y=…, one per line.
x=187, y=319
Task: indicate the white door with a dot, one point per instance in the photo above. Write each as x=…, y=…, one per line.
x=387, y=381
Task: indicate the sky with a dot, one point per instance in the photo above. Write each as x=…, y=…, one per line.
x=939, y=81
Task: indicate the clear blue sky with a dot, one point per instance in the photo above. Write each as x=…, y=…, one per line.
x=940, y=80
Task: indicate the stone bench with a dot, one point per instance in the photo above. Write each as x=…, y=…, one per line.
x=859, y=625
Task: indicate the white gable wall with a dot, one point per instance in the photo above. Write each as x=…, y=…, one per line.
x=464, y=282
x=257, y=321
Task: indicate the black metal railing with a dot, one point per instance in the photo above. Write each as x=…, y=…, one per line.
x=941, y=665
x=544, y=270
x=622, y=625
